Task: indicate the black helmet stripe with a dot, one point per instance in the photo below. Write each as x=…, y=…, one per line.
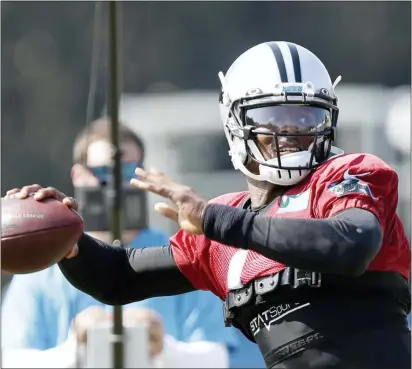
x=296, y=62
x=279, y=61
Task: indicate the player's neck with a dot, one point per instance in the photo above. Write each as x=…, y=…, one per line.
x=262, y=193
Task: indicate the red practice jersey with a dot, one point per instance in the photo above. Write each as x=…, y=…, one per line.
x=348, y=181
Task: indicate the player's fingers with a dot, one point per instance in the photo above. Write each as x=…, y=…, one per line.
x=141, y=173
x=152, y=175
x=27, y=190
x=147, y=175
x=157, y=174
x=72, y=253
x=71, y=203
x=49, y=192
x=148, y=186
x=167, y=211
x=12, y=191
x=189, y=227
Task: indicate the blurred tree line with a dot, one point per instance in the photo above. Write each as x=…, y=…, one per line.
x=46, y=56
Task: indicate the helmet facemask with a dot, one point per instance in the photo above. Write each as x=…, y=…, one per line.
x=287, y=136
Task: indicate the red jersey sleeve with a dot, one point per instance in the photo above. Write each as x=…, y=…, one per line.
x=192, y=253
x=185, y=253
x=357, y=181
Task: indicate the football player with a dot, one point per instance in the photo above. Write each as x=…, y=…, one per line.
x=312, y=262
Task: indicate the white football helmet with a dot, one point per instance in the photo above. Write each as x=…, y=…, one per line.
x=265, y=87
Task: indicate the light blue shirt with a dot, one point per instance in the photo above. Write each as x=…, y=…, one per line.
x=38, y=310
x=246, y=354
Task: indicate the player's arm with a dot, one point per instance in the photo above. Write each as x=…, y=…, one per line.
x=343, y=244
x=118, y=276
x=344, y=239
x=114, y=275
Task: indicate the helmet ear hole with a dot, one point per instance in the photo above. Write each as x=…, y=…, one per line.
x=322, y=150
x=327, y=148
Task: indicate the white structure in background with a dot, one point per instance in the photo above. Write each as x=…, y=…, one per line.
x=164, y=118
x=100, y=347
x=398, y=121
x=97, y=354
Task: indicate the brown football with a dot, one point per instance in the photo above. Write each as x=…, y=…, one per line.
x=36, y=234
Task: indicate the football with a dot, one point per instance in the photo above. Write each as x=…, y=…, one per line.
x=36, y=234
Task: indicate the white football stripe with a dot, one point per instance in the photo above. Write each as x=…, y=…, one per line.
x=287, y=57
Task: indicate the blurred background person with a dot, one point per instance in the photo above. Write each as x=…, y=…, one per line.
x=39, y=309
x=72, y=353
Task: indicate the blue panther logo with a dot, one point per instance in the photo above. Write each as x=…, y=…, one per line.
x=351, y=184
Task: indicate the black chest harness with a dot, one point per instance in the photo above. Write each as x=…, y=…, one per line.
x=388, y=288
x=308, y=309
x=254, y=292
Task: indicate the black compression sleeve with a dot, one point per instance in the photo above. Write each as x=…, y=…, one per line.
x=118, y=276
x=344, y=244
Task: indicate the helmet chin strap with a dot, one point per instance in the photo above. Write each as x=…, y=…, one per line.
x=238, y=155
x=283, y=176
x=238, y=164
x=284, y=179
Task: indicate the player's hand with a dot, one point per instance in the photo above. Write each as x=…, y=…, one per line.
x=39, y=193
x=137, y=316
x=190, y=206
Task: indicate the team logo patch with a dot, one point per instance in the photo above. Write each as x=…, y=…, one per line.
x=351, y=184
x=293, y=88
x=292, y=203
